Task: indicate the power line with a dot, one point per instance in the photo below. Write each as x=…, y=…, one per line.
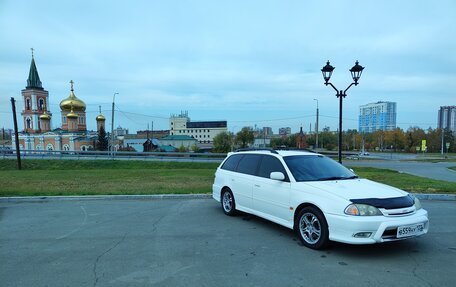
x=273, y=120
x=144, y=115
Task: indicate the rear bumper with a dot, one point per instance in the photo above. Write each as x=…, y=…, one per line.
x=216, y=189
x=381, y=228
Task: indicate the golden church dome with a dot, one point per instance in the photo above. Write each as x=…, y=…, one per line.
x=100, y=117
x=45, y=116
x=72, y=100
x=72, y=114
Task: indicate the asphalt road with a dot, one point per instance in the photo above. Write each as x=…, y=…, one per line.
x=192, y=243
x=434, y=170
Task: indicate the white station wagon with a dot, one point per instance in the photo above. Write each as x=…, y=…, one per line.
x=317, y=197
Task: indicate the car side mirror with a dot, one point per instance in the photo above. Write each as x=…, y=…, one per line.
x=277, y=175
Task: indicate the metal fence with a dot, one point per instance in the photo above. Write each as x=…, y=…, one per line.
x=119, y=155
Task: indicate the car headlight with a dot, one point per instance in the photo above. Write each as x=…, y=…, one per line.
x=362, y=210
x=417, y=203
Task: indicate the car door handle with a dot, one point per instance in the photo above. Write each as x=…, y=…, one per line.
x=257, y=185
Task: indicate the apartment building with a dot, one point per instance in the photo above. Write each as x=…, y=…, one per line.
x=377, y=116
x=447, y=118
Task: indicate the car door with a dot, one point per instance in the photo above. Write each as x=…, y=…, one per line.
x=272, y=197
x=243, y=179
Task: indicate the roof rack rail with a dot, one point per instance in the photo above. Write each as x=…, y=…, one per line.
x=271, y=150
x=295, y=149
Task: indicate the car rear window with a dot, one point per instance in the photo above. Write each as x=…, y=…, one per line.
x=249, y=164
x=232, y=162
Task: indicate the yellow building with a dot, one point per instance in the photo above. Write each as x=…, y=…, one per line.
x=38, y=134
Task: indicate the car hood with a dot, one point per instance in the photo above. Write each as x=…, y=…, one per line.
x=356, y=188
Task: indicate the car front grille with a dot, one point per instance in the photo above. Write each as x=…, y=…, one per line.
x=398, y=211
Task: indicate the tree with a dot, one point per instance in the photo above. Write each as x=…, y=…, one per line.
x=285, y=142
x=245, y=137
x=102, y=141
x=350, y=139
x=182, y=148
x=223, y=142
x=395, y=138
x=414, y=137
x=328, y=139
x=195, y=148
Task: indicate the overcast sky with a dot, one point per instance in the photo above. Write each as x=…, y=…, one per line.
x=247, y=62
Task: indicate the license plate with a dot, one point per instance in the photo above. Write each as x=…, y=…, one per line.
x=410, y=230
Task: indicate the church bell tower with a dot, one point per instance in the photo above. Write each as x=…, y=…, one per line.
x=36, y=101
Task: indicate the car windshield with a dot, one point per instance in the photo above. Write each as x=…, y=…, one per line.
x=317, y=168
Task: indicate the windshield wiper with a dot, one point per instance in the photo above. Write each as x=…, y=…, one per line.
x=337, y=177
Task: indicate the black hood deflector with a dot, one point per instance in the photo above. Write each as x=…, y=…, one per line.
x=387, y=203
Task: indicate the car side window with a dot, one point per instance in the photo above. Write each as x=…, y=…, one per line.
x=249, y=164
x=270, y=164
x=232, y=162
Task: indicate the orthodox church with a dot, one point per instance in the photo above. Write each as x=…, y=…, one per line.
x=37, y=118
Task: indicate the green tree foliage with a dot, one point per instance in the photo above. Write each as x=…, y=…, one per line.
x=195, y=148
x=245, y=137
x=284, y=142
x=352, y=140
x=223, y=142
x=102, y=141
x=328, y=139
x=414, y=136
x=182, y=148
x=408, y=141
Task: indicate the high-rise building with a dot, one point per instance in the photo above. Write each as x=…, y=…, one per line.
x=377, y=116
x=447, y=118
x=267, y=131
x=285, y=131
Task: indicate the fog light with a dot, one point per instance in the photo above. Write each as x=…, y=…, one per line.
x=362, y=234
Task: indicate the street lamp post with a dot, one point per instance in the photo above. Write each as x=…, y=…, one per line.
x=112, y=124
x=316, y=128
x=356, y=72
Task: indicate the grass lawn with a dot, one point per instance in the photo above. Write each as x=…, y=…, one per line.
x=99, y=177
x=71, y=177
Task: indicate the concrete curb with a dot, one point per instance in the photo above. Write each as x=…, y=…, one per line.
x=421, y=196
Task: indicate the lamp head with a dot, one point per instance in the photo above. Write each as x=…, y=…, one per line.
x=327, y=72
x=356, y=72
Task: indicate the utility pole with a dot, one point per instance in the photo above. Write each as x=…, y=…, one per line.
x=316, y=127
x=3, y=137
x=112, y=124
x=16, y=134
x=442, y=131
x=147, y=131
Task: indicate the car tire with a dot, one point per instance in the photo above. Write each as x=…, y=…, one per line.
x=312, y=228
x=228, y=203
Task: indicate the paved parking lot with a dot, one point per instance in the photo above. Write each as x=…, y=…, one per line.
x=434, y=170
x=192, y=243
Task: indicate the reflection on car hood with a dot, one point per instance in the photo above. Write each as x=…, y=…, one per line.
x=357, y=188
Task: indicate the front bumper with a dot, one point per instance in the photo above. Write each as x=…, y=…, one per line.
x=342, y=228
